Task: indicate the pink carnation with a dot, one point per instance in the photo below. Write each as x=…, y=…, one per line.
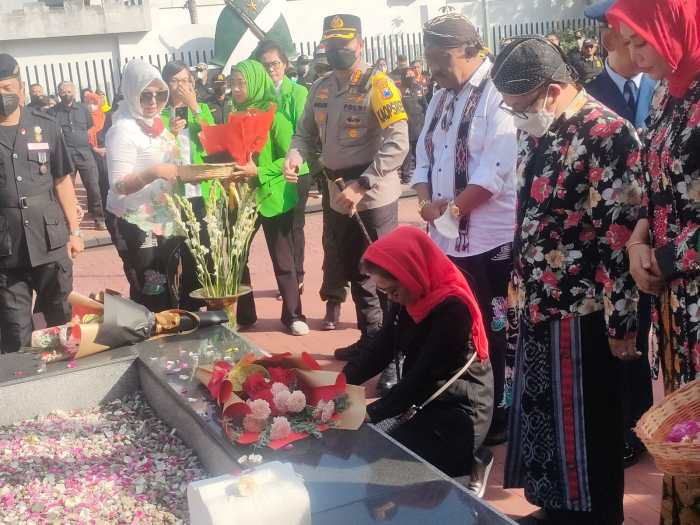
x=250, y=424
x=296, y=402
x=260, y=409
x=278, y=387
x=684, y=432
x=280, y=429
x=281, y=399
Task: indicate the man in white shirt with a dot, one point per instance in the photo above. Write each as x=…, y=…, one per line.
x=465, y=169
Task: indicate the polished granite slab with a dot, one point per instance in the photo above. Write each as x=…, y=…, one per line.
x=353, y=477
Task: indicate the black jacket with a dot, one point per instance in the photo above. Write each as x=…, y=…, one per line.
x=434, y=351
x=604, y=90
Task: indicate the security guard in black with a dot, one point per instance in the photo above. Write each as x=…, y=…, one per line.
x=33, y=225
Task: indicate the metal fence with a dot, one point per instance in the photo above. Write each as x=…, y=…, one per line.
x=103, y=73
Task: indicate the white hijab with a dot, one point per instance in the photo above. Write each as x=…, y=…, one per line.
x=136, y=77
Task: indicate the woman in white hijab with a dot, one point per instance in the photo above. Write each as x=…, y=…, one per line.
x=140, y=154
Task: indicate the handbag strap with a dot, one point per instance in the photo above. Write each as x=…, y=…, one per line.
x=447, y=385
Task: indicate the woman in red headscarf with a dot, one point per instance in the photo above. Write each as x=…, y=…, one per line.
x=664, y=40
x=436, y=324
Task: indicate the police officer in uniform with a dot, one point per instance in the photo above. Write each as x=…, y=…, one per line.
x=358, y=117
x=39, y=228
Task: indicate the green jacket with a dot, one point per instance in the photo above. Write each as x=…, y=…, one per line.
x=275, y=195
x=292, y=100
x=197, y=152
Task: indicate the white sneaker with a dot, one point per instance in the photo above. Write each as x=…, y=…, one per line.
x=299, y=328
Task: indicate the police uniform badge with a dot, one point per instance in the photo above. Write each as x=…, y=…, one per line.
x=41, y=149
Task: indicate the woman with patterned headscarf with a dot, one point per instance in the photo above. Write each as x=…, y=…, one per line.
x=252, y=88
x=664, y=40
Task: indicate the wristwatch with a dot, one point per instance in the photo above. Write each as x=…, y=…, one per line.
x=422, y=204
x=76, y=233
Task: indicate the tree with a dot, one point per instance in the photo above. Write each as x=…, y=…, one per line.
x=191, y=6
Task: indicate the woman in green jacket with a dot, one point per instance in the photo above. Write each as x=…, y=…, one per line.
x=252, y=88
x=184, y=116
x=291, y=99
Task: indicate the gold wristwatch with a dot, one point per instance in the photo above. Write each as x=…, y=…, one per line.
x=422, y=204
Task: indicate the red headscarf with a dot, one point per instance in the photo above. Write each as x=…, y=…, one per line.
x=412, y=257
x=672, y=27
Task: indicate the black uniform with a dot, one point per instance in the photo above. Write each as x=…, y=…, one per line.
x=33, y=229
x=75, y=120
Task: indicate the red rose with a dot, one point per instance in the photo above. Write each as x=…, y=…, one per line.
x=617, y=236
x=540, y=189
x=256, y=385
x=595, y=175
x=574, y=270
x=550, y=278
x=282, y=375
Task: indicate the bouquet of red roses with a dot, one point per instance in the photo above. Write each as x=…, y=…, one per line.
x=277, y=400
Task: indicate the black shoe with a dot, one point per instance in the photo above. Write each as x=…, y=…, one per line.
x=632, y=453
x=388, y=379
x=100, y=225
x=351, y=352
x=330, y=322
x=483, y=462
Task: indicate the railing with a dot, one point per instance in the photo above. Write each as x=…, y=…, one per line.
x=503, y=32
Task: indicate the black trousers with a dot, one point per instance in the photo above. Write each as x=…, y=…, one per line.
x=488, y=274
x=147, y=258
x=89, y=175
x=636, y=375
x=334, y=285
x=52, y=282
x=298, y=237
x=352, y=244
x=280, y=244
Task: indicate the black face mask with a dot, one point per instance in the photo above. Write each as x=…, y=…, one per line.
x=67, y=99
x=341, y=59
x=8, y=104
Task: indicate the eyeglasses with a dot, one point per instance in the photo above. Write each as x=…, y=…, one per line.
x=161, y=97
x=178, y=81
x=391, y=291
x=273, y=66
x=519, y=114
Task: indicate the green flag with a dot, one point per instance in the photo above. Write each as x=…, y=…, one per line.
x=242, y=24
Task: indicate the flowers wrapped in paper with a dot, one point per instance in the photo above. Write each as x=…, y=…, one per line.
x=244, y=135
x=277, y=400
x=115, y=322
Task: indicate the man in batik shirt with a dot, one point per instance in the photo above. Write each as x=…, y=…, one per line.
x=578, y=201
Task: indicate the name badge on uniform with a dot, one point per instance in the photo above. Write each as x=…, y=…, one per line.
x=38, y=146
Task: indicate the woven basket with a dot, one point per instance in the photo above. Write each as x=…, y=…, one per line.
x=678, y=459
x=200, y=172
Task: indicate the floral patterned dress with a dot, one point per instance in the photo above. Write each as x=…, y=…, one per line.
x=672, y=183
x=579, y=198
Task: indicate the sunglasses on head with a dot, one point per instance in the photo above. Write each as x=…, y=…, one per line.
x=160, y=97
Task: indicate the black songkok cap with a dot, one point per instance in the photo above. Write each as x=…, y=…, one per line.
x=527, y=63
x=449, y=31
x=8, y=67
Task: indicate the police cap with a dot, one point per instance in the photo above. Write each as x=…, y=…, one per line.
x=8, y=67
x=341, y=27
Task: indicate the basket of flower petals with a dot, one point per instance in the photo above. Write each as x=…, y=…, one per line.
x=671, y=431
x=277, y=400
